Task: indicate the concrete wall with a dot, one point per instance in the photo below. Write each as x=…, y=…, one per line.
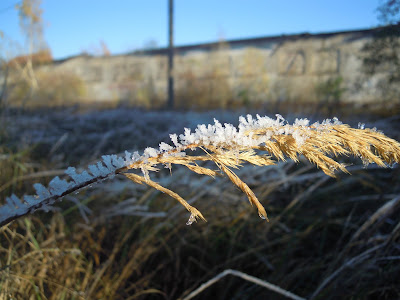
x=270, y=69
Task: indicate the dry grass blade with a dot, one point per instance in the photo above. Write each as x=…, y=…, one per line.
x=195, y=214
x=245, y=188
x=371, y=146
x=99, y=273
x=382, y=212
x=246, y=277
x=350, y=263
x=201, y=170
x=34, y=261
x=256, y=159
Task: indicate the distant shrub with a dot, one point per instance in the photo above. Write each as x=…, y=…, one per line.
x=330, y=93
x=39, y=58
x=54, y=89
x=146, y=96
x=252, y=85
x=203, y=87
x=211, y=91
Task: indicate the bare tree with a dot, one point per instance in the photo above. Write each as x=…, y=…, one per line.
x=31, y=24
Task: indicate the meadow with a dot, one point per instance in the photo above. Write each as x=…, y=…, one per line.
x=328, y=237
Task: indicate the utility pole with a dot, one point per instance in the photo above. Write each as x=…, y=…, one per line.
x=170, y=103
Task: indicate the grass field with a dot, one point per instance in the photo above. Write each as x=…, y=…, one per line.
x=328, y=238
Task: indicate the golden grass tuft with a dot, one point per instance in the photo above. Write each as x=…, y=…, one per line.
x=320, y=147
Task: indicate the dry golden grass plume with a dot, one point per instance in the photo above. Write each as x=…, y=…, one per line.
x=262, y=142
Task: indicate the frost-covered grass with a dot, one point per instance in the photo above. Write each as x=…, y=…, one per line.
x=261, y=141
x=320, y=228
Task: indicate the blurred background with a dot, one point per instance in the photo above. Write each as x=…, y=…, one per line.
x=80, y=79
x=308, y=55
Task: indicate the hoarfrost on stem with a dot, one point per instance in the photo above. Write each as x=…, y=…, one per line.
x=58, y=186
x=41, y=191
x=150, y=152
x=192, y=219
x=226, y=136
x=78, y=178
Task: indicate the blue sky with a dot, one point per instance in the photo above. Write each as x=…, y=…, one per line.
x=73, y=26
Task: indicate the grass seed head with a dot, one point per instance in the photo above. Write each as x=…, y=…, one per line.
x=260, y=141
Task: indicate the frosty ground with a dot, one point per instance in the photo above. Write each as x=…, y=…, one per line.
x=133, y=241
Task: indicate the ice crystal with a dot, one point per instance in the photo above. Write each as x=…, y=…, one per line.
x=145, y=173
x=107, y=159
x=30, y=200
x=128, y=158
x=14, y=201
x=102, y=169
x=78, y=178
x=41, y=191
x=117, y=161
x=192, y=219
x=95, y=170
x=174, y=139
x=58, y=186
x=150, y=152
x=164, y=147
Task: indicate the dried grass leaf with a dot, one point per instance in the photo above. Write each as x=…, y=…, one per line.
x=140, y=179
x=201, y=170
x=245, y=188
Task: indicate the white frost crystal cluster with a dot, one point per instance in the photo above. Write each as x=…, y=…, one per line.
x=217, y=135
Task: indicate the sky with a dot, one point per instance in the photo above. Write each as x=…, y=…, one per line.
x=75, y=26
